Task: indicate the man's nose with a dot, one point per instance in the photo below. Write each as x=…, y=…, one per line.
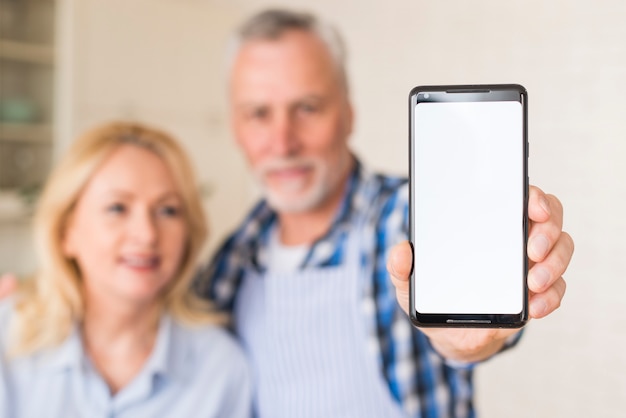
x=284, y=141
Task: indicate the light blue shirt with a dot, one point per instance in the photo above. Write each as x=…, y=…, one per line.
x=192, y=372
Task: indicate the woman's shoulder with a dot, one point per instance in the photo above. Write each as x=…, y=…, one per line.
x=206, y=334
x=213, y=358
x=210, y=342
x=7, y=307
x=211, y=354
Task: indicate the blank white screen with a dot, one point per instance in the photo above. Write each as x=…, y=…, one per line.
x=468, y=219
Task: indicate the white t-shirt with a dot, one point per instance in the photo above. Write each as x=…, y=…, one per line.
x=284, y=258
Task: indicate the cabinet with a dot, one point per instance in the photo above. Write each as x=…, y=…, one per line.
x=84, y=62
x=26, y=102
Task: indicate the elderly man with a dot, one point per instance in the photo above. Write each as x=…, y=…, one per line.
x=305, y=274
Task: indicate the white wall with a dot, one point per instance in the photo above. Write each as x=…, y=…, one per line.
x=158, y=60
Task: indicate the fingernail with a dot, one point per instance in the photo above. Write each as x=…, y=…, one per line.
x=539, y=277
x=545, y=205
x=538, y=308
x=539, y=246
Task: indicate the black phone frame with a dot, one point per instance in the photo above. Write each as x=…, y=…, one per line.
x=480, y=92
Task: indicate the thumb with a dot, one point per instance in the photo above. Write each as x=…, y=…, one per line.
x=400, y=262
x=399, y=265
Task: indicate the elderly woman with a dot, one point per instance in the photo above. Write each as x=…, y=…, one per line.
x=109, y=327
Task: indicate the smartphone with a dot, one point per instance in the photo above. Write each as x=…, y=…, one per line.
x=468, y=218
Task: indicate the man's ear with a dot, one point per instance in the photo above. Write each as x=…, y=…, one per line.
x=348, y=119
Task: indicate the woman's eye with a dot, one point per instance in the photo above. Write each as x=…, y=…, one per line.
x=169, y=211
x=116, y=208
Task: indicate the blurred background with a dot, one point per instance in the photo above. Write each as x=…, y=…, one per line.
x=68, y=64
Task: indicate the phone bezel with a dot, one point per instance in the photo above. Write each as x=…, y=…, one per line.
x=475, y=92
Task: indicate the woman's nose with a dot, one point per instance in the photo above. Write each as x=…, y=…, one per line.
x=143, y=227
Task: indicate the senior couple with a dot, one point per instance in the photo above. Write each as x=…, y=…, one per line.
x=118, y=322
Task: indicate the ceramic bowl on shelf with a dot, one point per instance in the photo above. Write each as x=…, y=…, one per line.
x=12, y=206
x=17, y=110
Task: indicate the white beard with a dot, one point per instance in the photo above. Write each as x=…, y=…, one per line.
x=294, y=196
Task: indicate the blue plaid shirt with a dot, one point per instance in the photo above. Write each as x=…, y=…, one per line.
x=419, y=378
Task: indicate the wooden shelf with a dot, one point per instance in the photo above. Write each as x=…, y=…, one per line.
x=26, y=52
x=22, y=132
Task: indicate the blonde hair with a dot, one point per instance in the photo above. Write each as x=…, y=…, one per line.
x=50, y=303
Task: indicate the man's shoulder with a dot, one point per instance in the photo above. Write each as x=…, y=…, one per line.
x=217, y=279
x=384, y=194
x=385, y=180
x=253, y=223
x=380, y=186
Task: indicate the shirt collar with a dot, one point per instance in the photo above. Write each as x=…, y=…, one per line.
x=170, y=359
x=69, y=354
x=166, y=360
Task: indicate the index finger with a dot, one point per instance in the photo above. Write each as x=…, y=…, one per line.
x=542, y=206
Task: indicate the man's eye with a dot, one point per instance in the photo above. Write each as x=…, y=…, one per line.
x=116, y=208
x=308, y=108
x=258, y=114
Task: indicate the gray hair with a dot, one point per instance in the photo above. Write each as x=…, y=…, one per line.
x=271, y=24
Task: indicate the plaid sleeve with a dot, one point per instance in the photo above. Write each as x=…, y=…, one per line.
x=220, y=279
x=426, y=384
x=419, y=378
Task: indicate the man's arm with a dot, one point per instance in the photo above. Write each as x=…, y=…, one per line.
x=549, y=252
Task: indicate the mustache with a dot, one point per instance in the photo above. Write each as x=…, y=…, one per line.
x=282, y=163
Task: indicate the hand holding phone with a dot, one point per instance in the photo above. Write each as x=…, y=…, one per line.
x=468, y=206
